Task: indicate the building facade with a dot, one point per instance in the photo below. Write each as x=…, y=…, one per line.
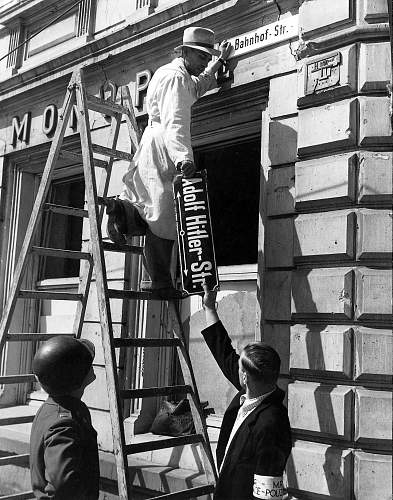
x=297, y=143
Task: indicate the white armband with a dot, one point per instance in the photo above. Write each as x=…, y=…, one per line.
x=268, y=487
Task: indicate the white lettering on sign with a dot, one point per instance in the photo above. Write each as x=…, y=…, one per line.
x=260, y=38
x=268, y=487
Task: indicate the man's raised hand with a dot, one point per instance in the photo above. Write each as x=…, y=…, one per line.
x=187, y=168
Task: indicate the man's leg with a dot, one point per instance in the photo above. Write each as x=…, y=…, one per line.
x=158, y=253
x=123, y=220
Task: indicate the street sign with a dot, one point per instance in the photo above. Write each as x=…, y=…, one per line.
x=194, y=234
x=265, y=36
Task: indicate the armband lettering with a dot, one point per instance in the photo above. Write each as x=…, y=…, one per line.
x=268, y=487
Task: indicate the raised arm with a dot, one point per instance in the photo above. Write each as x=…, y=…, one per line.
x=218, y=341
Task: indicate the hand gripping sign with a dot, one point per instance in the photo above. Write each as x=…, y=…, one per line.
x=268, y=487
x=194, y=234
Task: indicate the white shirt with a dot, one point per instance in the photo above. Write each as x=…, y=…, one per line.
x=247, y=406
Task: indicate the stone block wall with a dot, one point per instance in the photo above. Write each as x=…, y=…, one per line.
x=327, y=282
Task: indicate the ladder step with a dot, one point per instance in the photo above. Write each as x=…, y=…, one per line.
x=17, y=379
x=59, y=252
x=78, y=158
x=146, y=342
x=22, y=419
x=113, y=153
x=112, y=247
x=190, y=493
x=149, y=392
x=21, y=337
x=163, y=443
x=37, y=294
x=134, y=295
x=25, y=495
x=105, y=107
x=60, y=209
x=15, y=460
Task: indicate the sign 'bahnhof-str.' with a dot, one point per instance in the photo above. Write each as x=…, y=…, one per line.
x=259, y=39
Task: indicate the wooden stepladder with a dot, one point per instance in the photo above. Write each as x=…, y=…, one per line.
x=94, y=259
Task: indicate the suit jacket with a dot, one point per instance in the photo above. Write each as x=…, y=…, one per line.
x=64, y=451
x=262, y=443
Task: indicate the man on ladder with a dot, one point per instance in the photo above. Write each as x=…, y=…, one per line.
x=146, y=205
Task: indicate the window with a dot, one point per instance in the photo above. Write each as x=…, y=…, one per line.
x=61, y=231
x=233, y=185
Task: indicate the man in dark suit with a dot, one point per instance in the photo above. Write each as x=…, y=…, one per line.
x=255, y=436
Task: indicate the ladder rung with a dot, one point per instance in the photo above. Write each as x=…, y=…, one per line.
x=17, y=379
x=112, y=247
x=128, y=342
x=190, y=493
x=59, y=252
x=163, y=443
x=22, y=419
x=20, y=337
x=60, y=209
x=14, y=460
x=77, y=157
x=134, y=295
x=149, y=392
x=105, y=107
x=25, y=495
x=38, y=294
x=113, y=153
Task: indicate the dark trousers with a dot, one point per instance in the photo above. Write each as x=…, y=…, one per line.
x=158, y=251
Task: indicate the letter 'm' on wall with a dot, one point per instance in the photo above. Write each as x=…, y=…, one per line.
x=21, y=129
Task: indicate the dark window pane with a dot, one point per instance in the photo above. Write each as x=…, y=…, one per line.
x=61, y=231
x=233, y=184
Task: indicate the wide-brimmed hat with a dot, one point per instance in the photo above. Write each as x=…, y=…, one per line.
x=200, y=39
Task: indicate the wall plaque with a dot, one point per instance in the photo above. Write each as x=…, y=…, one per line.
x=323, y=74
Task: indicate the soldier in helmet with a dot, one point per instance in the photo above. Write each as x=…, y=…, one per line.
x=63, y=443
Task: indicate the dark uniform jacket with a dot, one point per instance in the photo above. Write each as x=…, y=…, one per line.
x=263, y=441
x=64, y=451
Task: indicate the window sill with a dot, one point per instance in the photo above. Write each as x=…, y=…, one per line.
x=238, y=273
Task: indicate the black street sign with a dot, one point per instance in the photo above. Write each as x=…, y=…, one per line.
x=194, y=233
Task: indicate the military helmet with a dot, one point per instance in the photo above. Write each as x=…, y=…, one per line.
x=62, y=363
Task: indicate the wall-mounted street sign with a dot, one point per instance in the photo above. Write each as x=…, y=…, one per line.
x=194, y=234
x=271, y=34
x=323, y=73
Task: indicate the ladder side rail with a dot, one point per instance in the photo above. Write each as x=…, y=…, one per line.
x=132, y=124
x=103, y=184
x=103, y=187
x=102, y=293
x=37, y=210
x=134, y=310
x=195, y=404
x=87, y=267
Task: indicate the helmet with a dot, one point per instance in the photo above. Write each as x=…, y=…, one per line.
x=62, y=363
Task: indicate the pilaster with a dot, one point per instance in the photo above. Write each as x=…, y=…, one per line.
x=327, y=281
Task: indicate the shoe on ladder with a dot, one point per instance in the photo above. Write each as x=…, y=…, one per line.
x=116, y=226
x=124, y=220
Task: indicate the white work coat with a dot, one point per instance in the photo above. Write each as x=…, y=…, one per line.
x=166, y=141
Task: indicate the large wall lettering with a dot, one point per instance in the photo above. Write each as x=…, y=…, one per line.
x=21, y=126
